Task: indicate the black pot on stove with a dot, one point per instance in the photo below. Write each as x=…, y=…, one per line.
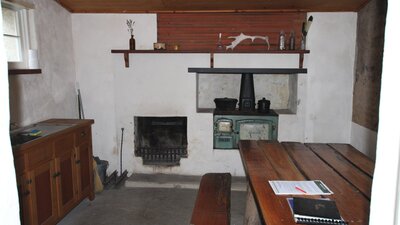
x=263, y=105
x=225, y=104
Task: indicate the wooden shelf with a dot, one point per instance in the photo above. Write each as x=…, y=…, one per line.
x=24, y=71
x=247, y=70
x=127, y=52
x=216, y=52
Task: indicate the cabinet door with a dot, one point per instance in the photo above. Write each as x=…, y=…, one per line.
x=66, y=181
x=85, y=170
x=43, y=194
x=25, y=199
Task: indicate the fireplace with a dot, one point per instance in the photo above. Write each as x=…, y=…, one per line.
x=160, y=140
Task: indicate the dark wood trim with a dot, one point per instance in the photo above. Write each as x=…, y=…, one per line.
x=215, y=52
x=180, y=6
x=266, y=71
x=24, y=71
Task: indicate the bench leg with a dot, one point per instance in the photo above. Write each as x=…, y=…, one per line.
x=251, y=216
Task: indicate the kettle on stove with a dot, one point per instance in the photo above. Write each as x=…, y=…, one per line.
x=263, y=105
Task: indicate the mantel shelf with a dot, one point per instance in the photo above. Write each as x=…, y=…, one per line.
x=247, y=70
x=127, y=52
x=24, y=71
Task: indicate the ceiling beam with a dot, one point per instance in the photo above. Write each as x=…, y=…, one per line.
x=185, y=6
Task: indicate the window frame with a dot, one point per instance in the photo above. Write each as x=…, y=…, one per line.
x=26, y=31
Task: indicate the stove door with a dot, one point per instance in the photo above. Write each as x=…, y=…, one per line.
x=254, y=131
x=223, y=133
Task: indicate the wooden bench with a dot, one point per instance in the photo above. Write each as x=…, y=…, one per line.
x=212, y=205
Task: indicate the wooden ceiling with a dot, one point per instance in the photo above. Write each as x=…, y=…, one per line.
x=168, y=6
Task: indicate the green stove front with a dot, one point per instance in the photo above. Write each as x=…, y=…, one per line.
x=230, y=127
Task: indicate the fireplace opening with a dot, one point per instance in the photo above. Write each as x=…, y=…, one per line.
x=160, y=140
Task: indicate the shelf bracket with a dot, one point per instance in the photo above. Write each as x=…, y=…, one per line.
x=211, y=60
x=126, y=58
x=301, y=59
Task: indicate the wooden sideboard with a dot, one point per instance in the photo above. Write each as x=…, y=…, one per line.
x=54, y=172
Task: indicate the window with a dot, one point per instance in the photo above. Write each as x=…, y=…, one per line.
x=11, y=33
x=18, y=33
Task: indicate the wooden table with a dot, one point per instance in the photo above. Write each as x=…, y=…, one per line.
x=346, y=171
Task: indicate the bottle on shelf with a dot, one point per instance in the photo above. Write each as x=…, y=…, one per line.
x=282, y=40
x=292, y=41
x=303, y=42
x=219, y=42
x=132, y=43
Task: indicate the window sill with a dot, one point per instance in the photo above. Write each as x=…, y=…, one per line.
x=24, y=71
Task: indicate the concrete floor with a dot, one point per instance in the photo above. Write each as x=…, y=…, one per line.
x=151, y=205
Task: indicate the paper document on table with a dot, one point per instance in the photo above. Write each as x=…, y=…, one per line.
x=310, y=187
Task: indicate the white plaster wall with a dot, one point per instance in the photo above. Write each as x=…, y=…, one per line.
x=9, y=207
x=50, y=94
x=156, y=85
x=159, y=85
x=330, y=64
x=364, y=139
x=273, y=87
x=94, y=37
x=324, y=94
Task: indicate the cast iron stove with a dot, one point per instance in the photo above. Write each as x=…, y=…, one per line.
x=232, y=126
x=245, y=123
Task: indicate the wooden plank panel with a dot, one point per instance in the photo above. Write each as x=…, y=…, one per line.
x=356, y=157
x=346, y=169
x=148, y=6
x=274, y=209
x=280, y=160
x=353, y=206
x=195, y=31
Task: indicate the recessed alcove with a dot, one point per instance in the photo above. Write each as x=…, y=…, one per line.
x=281, y=90
x=279, y=85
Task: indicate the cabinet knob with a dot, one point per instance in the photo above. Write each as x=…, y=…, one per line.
x=78, y=161
x=56, y=174
x=83, y=133
x=26, y=193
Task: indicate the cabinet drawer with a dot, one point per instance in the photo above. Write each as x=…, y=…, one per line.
x=83, y=134
x=64, y=144
x=39, y=154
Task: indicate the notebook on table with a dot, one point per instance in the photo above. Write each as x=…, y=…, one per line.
x=315, y=211
x=307, y=187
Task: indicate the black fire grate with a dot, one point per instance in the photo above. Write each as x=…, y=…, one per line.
x=165, y=157
x=161, y=140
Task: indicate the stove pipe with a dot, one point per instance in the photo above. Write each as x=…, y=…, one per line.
x=247, y=98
